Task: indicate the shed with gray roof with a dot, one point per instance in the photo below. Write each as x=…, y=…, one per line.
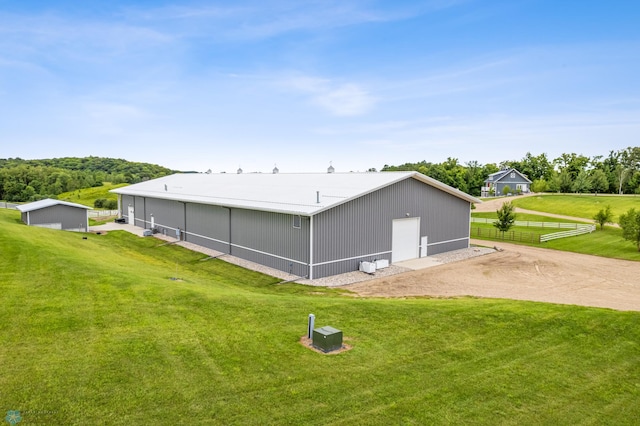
x=308, y=224
x=56, y=214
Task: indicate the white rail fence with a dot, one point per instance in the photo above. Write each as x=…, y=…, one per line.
x=564, y=234
x=575, y=228
x=532, y=224
x=102, y=213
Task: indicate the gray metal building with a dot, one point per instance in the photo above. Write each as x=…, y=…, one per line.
x=312, y=225
x=56, y=214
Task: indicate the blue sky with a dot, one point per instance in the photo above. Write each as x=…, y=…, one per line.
x=197, y=85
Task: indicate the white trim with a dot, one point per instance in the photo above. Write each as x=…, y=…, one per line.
x=352, y=258
x=448, y=241
x=201, y=236
x=269, y=254
x=236, y=245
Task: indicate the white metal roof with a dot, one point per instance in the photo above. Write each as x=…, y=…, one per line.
x=294, y=193
x=47, y=202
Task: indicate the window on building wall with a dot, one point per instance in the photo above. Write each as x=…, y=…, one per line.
x=297, y=220
x=513, y=175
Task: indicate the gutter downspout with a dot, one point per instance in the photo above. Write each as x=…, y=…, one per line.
x=311, y=247
x=230, y=246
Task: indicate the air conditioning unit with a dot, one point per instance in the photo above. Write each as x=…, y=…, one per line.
x=382, y=263
x=368, y=267
x=147, y=233
x=327, y=339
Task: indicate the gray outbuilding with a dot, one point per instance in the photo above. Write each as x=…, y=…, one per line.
x=56, y=214
x=309, y=224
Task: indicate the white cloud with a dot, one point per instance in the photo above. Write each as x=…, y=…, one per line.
x=341, y=99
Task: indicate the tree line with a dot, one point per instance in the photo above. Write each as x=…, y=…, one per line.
x=31, y=180
x=616, y=173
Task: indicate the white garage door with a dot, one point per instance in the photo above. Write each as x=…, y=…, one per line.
x=405, y=239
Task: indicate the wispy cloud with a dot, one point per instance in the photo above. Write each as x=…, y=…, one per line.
x=341, y=99
x=251, y=20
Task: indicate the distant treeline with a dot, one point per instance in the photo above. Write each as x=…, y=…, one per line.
x=617, y=173
x=30, y=180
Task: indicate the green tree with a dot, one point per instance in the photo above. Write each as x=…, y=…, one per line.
x=604, y=216
x=506, y=217
x=630, y=224
x=599, y=181
x=539, y=185
x=582, y=183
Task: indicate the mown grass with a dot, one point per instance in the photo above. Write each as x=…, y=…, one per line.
x=584, y=206
x=87, y=196
x=96, y=331
x=607, y=242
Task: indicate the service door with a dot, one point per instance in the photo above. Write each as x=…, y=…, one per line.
x=405, y=239
x=132, y=216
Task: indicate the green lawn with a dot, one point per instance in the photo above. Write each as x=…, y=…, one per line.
x=607, y=242
x=585, y=206
x=96, y=331
x=524, y=216
x=87, y=196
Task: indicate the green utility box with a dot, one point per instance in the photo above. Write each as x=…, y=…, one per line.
x=327, y=339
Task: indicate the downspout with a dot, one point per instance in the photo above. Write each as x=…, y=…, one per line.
x=311, y=247
x=185, y=221
x=229, y=209
x=469, y=234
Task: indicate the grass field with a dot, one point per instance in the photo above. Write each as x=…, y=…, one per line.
x=584, y=206
x=97, y=331
x=87, y=196
x=607, y=242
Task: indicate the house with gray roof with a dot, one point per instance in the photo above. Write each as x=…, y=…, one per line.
x=308, y=224
x=496, y=182
x=56, y=214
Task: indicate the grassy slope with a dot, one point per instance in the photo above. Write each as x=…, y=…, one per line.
x=95, y=331
x=87, y=196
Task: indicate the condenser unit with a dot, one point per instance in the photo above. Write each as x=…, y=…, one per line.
x=327, y=339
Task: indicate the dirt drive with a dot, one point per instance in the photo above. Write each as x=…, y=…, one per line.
x=521, y=273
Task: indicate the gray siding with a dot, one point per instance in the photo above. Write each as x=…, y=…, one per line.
x=343, y=236
x=70, y=218
x=262, y=237
x=124, y=205
x=512, y=182
x=169, y=215
x=362, y=229
x=138, y=205
x=270, y=239
x=208, y=226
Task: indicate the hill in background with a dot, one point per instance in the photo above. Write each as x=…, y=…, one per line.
x=31, y=180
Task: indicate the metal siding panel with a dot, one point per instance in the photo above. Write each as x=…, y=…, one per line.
x=138, y=211
x=293, y=268
x=69, y=217
x=363, y=226
x=168, y=215
x=208, y=221
x=271, y=233
x=124, y=205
